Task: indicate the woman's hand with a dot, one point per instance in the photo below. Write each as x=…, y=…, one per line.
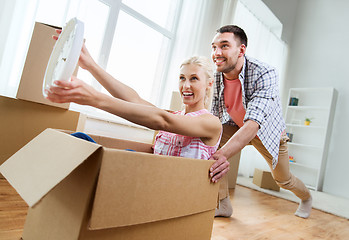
x=85, y=60
x=59, y=31
x=75, y=91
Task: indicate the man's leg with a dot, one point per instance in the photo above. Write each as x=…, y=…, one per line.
x=284, y=178
x=225, y=209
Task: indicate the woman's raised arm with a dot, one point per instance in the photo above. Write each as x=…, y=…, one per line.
x=112, y=85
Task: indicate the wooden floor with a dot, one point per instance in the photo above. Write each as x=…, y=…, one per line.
x=256, y=216
x=13, y=211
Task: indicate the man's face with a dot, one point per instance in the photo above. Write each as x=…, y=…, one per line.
x=225, y=51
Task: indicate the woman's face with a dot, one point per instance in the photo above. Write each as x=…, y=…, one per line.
x=193, y=83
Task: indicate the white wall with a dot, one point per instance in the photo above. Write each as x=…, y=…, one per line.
x=285, y=11
x=318, y=57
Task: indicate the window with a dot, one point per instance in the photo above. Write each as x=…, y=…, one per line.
x=136, y=45
x=164, y=15
x=132, y=52
x=141, y=46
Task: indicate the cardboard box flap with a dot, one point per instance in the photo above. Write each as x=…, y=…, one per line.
x=123, y=144
x=135, y=188
x=44, y=162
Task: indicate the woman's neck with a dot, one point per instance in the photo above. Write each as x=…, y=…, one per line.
x=191, y=108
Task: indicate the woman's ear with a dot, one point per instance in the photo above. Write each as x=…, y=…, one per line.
x=210, y=83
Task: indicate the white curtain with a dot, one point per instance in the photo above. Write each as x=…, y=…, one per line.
x=267, y=46
x=17, y=20
x=198, y=23
x=16, y=24
x=264, y=44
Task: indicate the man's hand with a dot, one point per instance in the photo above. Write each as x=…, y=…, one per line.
x=237, y=142
x=220, y=167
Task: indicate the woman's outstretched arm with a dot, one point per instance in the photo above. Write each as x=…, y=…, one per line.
x=204, y=126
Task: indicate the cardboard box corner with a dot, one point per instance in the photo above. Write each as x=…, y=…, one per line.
x=25, y=120
x=264, y=179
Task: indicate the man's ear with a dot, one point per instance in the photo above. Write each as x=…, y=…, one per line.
x=242, y=50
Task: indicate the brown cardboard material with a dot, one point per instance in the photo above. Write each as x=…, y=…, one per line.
x=233, y=170
x=21, y=121
x=264, y=179
x=81, y=190
x=39, y=52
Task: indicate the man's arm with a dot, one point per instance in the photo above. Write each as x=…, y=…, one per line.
x=256, y=111
x=237, y=142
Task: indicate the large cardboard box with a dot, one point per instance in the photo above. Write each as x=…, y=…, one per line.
x=80, y=190
x=264, y=179
x=21, y=121
x=39, y=52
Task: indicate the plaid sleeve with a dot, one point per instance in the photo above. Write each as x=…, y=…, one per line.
x=263, y=96
x=215, y=98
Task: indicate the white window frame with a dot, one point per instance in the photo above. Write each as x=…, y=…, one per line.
x=115, y=7
x=159, y=84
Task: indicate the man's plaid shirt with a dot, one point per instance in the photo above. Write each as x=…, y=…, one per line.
x=260, y=97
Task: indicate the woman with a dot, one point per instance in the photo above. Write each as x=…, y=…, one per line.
x=193, y=132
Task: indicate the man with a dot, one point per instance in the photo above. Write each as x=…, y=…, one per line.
x=246, y=99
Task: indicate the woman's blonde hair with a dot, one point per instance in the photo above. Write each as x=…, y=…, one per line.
x=205, y=63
